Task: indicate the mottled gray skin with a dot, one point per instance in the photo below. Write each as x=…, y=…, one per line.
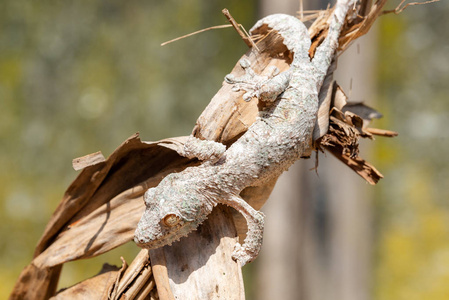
x=279, y=137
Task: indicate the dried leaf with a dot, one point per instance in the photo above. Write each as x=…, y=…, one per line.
x=96, y=287
x=364, y=111
x=99, y=210
x=88, y=160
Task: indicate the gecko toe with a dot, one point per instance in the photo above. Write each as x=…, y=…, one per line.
x=244, y=63
x=230, y=78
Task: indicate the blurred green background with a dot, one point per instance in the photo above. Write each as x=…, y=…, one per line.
x=413, y=200
x=81, y=76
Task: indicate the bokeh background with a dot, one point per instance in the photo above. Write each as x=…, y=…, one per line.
x=81, y=76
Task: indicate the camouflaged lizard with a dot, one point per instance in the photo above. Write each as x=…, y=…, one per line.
x=280, y=135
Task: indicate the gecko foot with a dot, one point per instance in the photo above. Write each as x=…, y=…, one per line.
x=264, y=87
x=251, y=83
x=242, y=255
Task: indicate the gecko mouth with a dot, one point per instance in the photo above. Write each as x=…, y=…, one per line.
x=152, y=238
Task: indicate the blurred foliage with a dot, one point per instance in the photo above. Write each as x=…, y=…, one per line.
x=412, y=258
x=81, y=76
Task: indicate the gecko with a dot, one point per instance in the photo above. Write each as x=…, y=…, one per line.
x=281, y=134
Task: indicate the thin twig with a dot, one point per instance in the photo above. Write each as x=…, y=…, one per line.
x=193, y=33
x=251, y=40
x=314, y=11
x=310, y=17
x=381, y=132
x=259, y=37
x=399, y=9
x=248, y=41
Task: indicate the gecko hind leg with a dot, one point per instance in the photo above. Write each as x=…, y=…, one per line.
x=250, y=248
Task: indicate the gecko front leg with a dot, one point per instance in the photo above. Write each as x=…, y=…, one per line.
x=202, y=149
x=264, y=87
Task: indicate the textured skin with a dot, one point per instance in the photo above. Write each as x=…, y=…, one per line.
x=280, y=136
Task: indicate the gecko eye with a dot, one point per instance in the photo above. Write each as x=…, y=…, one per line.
x=171, y=220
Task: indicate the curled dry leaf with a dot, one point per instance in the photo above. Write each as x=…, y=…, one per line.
x=99, y=211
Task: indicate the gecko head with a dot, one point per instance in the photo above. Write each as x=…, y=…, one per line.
x=173, y=209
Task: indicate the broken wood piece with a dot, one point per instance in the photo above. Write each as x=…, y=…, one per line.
x=159, y=265
x=381, y=132
x=136, y=282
